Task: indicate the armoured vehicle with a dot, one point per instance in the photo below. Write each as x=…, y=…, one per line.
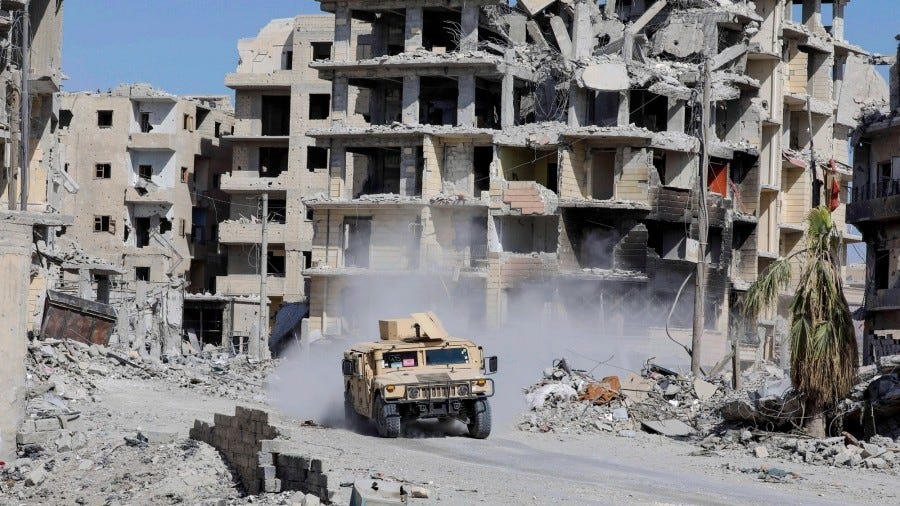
x=418, y=371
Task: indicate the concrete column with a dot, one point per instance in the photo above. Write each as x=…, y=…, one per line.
x=85, y=289
x=411, y=100
x=408, y=162
x=507, y=101
x=837, y=22
x=676, y=115
x=465, y=101
x=343, y=29
x=577, y=106
x=340, y=100
x=582, y=32
x=15, y=262
x=624, y=116
x=610, y=9
x=812, y=14
x=337, y=171
x=414, y=21
x=469, y=28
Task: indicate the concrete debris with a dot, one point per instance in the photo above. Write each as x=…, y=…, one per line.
x=709, y=413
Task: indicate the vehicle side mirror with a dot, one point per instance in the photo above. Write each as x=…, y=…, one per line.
x=347, y=367
x=490, y=365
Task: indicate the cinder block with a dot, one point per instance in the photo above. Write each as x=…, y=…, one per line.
x=265, y=459
x=272, y=486
x=315, y=465
x=27, y=438
x=266, y=472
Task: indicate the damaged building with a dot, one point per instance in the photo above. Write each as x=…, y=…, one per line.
x=875, y=211
x=278, y=98
x=148, y=167
x=31, y=185
x=546, y=158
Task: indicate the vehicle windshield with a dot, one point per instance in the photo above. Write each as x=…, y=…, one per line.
x=445, y=356
x=400, y=359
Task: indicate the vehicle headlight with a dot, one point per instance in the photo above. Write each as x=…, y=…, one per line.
x=462, y=390
x=390, y=388
x=412, y=393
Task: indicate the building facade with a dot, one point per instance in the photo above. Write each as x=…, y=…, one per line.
x=148, y=166
x=545, y=159
x=278, y=98
x=875, y=211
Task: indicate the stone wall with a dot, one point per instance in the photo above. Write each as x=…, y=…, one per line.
x=263, y=464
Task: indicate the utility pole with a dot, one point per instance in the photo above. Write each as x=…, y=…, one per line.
x=816, y=186
x=703, y=232
x=14, y=135
x=25, y=109
x=263, y=345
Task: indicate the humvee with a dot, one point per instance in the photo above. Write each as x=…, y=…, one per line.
x=418, y=371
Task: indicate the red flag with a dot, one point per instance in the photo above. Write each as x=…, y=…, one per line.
x=835, y=201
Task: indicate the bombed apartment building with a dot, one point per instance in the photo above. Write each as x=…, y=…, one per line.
x=148, y=166
x=546, y=159
x=875, y=211
x=278, y=98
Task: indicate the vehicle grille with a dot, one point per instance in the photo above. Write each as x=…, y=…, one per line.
x=438, y=391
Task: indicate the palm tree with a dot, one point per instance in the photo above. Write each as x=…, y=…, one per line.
x=822, y=337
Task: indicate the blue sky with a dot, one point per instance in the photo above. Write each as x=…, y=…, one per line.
x=187, y=46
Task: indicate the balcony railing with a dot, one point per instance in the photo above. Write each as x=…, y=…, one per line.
x=881, y=189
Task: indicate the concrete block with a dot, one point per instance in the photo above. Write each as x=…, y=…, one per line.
x=266, y=472
x=265, y=459
x=272, y=486
x=158, y=437
x=315, y=465
x=27, y=438
x=45, y=424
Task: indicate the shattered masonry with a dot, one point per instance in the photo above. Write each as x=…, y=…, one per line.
x=480, y=148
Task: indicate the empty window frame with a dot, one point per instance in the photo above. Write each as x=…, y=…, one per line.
x=882, y=269
x=102, y=171
x=142, y=274
x=316, y=158
x=145, y=172
x=105, y=119
x=146, y=127
x=184, y=174
x=104, y=224
x=321, y=50
x=65, y=118
x=287, y=60
x=319, y=105
x=217, y=129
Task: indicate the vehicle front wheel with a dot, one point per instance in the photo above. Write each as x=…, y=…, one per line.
x=387, y=418
x=480, y=419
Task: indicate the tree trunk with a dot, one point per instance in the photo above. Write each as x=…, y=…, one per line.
x=814, y=425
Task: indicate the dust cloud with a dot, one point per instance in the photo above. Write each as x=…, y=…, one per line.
x=543, y=321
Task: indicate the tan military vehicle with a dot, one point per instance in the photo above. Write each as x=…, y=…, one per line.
x=416, y=371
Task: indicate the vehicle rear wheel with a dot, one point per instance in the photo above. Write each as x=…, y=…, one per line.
x=387, y=418
x=480, y=419
x=350, y=415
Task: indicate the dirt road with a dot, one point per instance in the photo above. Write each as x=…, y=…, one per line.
x=513, y=467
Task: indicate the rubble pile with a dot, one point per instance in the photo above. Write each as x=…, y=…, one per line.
x=572, y=401
x=718, y=418
x=68, y=370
